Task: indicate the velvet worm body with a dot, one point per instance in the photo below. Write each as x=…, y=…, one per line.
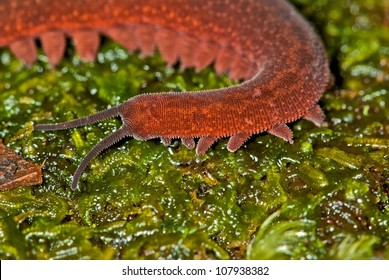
x=265, y=43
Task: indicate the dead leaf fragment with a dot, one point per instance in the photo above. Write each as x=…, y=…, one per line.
x=15, y=171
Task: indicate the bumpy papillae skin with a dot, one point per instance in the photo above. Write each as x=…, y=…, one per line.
x=264, y=42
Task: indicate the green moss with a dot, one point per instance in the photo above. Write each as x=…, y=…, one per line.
x=279, y=241
x=324, y=197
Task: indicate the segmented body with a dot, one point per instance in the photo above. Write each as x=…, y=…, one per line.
x=265, y=42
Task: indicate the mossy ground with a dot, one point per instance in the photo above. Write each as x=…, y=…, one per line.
x=325, y=197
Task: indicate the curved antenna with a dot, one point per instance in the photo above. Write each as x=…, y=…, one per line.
x=100, y=116
x=104, y=144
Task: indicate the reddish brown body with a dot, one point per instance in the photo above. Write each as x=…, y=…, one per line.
x=265, y=42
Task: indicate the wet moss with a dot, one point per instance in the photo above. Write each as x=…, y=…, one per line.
x=325, y=197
